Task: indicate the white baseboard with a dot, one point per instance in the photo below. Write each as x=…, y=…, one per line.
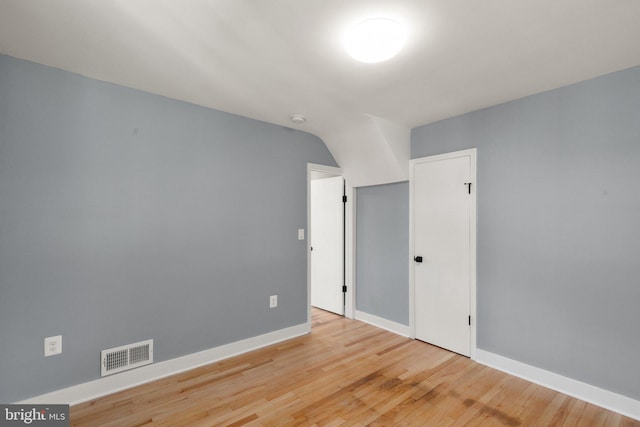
x=124, y=380
x=583, y=391
x=396, y=328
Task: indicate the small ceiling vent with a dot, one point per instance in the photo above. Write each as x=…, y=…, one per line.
x=126, y=357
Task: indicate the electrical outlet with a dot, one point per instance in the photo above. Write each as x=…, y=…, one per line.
x=52, y=345
x=273, y=301
x=300, y=233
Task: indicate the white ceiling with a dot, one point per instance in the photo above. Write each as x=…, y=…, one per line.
x=268, y=59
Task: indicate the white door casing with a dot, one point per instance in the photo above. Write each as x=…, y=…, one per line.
x=443, y=233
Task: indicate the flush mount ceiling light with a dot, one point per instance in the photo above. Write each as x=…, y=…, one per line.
x=375, y=40
x=298, y=119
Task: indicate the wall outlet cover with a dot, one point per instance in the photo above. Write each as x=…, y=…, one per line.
x=52, y=345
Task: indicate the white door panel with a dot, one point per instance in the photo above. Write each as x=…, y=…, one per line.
x=327, y=244
x=442, y=229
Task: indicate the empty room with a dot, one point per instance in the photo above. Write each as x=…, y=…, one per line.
x=319, y=213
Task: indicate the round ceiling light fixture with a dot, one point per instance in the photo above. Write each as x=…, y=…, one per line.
x=298, y=119
x=375, y=40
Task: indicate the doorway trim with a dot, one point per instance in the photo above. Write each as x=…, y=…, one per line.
x=349, y=225
x=472, y=153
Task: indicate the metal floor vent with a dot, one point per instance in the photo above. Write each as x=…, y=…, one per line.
x=126, y=357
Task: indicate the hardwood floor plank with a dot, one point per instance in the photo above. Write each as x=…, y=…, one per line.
x=345, y=373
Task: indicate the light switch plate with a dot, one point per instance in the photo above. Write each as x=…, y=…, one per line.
x=300, y=233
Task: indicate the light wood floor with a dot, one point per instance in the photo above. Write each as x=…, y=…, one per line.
x=344, y=373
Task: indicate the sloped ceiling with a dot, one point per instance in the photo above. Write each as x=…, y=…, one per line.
x=268, y=59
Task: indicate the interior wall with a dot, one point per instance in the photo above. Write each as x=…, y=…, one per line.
x=382, y=251
x=126, y=216
x=558, y=227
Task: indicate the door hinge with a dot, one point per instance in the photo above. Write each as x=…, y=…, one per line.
x=344, y=288
x=469, y=320
x=469, y=185
x=344, y=199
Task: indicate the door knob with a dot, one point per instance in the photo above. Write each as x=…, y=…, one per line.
x=417, y=259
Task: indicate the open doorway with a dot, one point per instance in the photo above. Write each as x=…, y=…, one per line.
x=329, y=225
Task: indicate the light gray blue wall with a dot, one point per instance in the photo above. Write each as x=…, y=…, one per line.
x=126, y=216
x=382, y=251
x=558, y=227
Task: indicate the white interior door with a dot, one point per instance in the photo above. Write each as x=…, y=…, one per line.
x=443, y=223
x=327, y=245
